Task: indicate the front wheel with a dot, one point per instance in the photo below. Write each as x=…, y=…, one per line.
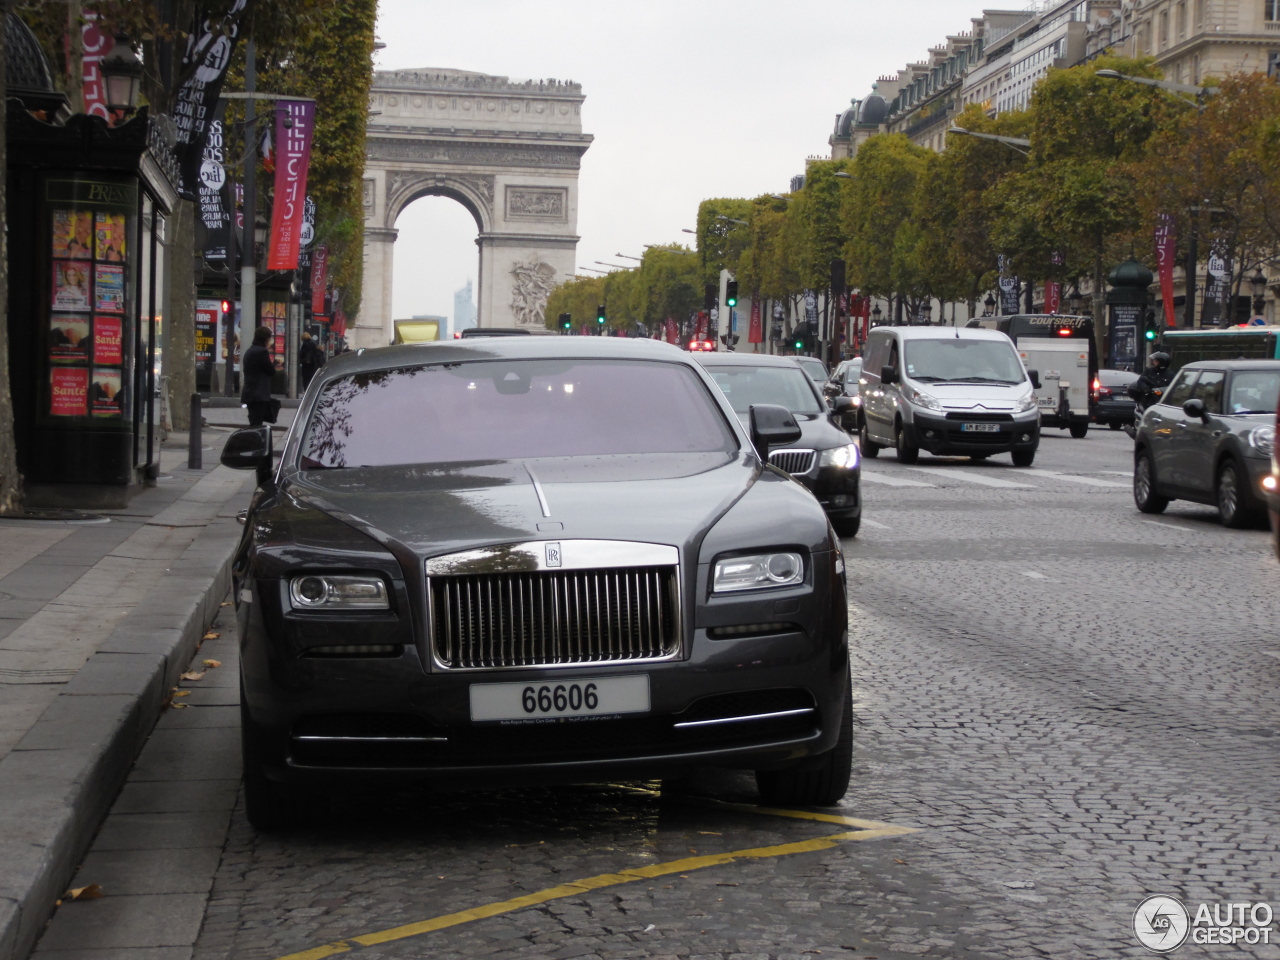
x=1079, y=429
x=1144, y=486
x=1231, y=506
x=907, y=449
x=869, y=447
x=1024, y=458
x=820, y=786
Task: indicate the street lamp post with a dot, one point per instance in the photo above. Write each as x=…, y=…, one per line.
x=1013, y=143
x=1259, y=284
x=1168, y=86
x=1075, y=299
x=989, y=306
x=122, y=72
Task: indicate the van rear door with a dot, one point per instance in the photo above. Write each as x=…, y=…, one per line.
x=1059, y=362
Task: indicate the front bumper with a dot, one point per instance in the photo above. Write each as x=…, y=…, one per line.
x=1114, y=411
x=395, y=719
x=939, y=434
x=837, y=489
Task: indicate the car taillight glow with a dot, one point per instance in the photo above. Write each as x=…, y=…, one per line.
x=1064, y=332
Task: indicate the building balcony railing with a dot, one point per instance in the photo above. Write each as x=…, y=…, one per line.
x=941, y=115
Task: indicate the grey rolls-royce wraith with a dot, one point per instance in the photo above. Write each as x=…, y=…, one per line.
x=530, y=559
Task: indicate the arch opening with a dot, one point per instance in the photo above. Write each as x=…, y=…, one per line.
x=436, y=261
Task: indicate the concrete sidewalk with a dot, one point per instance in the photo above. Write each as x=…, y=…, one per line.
x=98, y=618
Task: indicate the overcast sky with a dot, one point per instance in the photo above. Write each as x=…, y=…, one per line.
x=687, y=99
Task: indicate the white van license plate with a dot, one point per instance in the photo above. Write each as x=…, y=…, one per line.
x=1048, y=401
x=579, y=697
x=979, y=428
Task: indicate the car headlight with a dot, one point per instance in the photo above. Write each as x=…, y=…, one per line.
x=1263, y=439
x=326, y=591
x=1028, y=402
x=857, y=400
x=846, y=456
x=758, y=571
x=922, y=398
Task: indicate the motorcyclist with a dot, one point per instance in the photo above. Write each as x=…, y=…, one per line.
x=1149, y=387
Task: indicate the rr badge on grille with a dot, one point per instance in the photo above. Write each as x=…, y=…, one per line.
x=553, y=554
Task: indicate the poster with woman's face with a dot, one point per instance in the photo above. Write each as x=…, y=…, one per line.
x=72, y=233
x=71, y=284
x=109, y=238
x=68, y=338
x=105, y=398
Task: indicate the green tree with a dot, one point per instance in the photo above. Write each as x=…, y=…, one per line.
x=721, y=240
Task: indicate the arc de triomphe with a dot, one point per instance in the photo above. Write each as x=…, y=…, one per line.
x=507, y=151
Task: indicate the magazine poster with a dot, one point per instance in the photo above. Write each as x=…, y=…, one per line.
x=109, y=237
x=72, y=233
x=71, y=284
x=69, y=339
x=108, y=340
x=69, y=391
x=108, y=294
x=105, y=399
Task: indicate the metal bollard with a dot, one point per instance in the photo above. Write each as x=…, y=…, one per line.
x=195, y=449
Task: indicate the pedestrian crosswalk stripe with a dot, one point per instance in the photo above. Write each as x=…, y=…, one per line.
x=969, y=476
x=893, y=481
x=1076, y=478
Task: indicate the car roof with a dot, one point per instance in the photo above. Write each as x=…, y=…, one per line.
x=501, y=348
x=1258, y=364
x=746, y=360
x=945, y=333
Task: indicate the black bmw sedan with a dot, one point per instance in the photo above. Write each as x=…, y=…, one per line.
x=824, y=459
x=534, y=559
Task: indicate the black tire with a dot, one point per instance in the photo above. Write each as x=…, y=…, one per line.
x=1079, y=429
x=1114, y=424
x=979, y=456
x=847, y=526
x=822, y=785
x=907, y=449
x=868, y=446
x=266, y=804
x=1144, y=485
x=1023, y=458
x=1233, y=508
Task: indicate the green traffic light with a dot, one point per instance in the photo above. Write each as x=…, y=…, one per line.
x=1151, y=334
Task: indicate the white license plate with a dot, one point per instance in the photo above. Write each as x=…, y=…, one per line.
x=577, y=697
x=980, y=428
x=1048, y=401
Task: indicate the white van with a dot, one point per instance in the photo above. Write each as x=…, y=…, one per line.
x=950, y=391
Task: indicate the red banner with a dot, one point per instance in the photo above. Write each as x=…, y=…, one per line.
x=294, y=122
x=700, y=326
x=96, y=46
x=1166, y=251
x=756, y=334
x=1052, y=296
x=672, y=331
x=319, y=278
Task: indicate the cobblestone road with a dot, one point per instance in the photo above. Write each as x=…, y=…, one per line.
x=1074, y=706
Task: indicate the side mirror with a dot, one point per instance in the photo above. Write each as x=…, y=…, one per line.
x=1195, y=408
x=771, y=426
x=1034, y=375
x=888, y=375
x=831, y=388
x=248, y=449
x=841, y=404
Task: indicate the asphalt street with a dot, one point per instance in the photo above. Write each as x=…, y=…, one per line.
x=1062, y=707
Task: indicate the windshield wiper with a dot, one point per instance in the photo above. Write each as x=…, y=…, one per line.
x=928, y=379
x=1236, y=413
x=1011, y=383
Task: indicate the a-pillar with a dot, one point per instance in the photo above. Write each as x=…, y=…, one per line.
x=374, y=328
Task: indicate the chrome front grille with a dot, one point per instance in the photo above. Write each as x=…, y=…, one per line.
x=793, y=461
x=551, y=617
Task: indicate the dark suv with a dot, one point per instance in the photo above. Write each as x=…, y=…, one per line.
x=1210, y=439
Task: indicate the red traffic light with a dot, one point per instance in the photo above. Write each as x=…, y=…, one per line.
x=226, y=306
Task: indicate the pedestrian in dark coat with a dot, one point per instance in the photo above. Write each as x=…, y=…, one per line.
x=309, y=359
x=258, y=374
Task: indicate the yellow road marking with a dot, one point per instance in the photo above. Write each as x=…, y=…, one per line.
x=869, y=830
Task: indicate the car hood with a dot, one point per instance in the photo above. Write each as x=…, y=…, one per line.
x=975, y=396
x=436, y=509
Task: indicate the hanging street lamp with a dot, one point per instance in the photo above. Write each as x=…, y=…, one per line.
x=122, y=71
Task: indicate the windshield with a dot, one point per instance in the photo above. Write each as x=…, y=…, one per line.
x=786, y=386
x=512, y=409
x=815, y=368
x=955, y=360
x=1254, y=391
x=853, y=371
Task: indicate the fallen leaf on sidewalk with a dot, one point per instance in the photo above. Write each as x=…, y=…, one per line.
x=903, y=862
x=181, y=693
x=213, y=664
x=180, y=706
x=211, y=635
x=92, y=892
x=193, y=675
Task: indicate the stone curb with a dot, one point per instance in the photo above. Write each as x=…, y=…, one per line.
x=59, y=782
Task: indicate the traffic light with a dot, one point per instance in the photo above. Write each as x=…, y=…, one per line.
x=731, y=293
x=226, y=307
x=600, y=315
x=566, y=321
x=1150, y=331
